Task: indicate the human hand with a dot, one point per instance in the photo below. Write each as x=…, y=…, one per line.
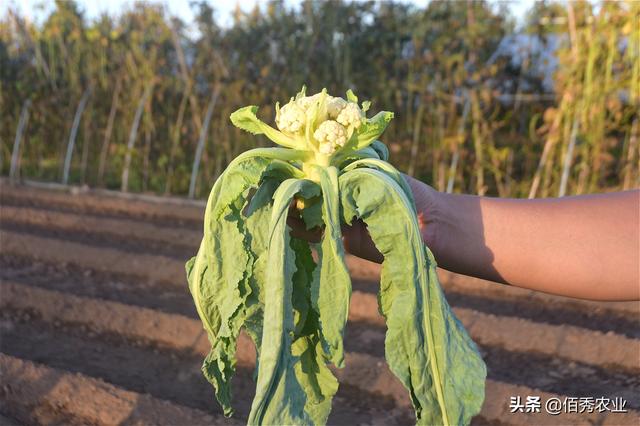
x=583, y=246
x=355, y=237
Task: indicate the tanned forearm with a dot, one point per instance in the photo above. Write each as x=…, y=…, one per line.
x=584, y=247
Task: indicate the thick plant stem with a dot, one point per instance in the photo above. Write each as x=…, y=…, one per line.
x=309, y=167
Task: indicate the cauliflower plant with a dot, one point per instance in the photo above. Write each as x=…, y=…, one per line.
x=251, y=273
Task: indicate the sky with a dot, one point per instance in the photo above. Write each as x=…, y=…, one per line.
x=38, y=9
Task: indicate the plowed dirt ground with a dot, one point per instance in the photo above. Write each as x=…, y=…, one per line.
x=97, y=327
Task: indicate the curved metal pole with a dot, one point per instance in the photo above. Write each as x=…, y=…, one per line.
x=201, y=141
x=132, y=138
x=72, y=136
x=15, y=154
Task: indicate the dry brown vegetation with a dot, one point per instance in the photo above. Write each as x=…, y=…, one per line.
x=124, y=101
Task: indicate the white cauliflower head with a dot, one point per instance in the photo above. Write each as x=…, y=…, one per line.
x=291, y=118
x=318, y=126
x=330, y=135
x=350, y=115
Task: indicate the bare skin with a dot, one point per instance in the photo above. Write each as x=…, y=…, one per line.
x=586, y=247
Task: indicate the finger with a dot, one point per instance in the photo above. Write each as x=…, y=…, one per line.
x=357, y=241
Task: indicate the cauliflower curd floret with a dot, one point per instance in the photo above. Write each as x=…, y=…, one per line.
x=330, y=135
x=350, y=115
x=334, y=106
x=306, y=101
x=291, y=118
x=326, y=149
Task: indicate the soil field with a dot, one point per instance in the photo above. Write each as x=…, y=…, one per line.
x=97, y=326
